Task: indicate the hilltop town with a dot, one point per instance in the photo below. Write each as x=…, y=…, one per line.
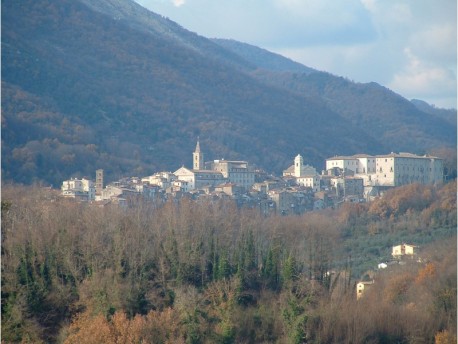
x=357, y=178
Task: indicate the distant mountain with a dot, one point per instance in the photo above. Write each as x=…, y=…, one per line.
x=397, y=123
x=90, y=84
x=447, y=114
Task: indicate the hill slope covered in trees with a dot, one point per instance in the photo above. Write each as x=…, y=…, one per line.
x=107, y=84
x=371, y=107
x=211, y=273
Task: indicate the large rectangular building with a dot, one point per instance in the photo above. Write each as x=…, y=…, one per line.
x=237, y=172
x=405, y=168
x=83, y=189
x=358, y=164
x=394, y=169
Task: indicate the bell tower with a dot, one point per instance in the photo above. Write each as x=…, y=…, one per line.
x=98, y=182
x=298, y=164
x=197, y=158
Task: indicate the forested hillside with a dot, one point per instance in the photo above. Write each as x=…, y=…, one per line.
x=133, y=98
x=371, y=107
x=375, y=109
x=447, y=114
x=107, y=84
x=212, y=273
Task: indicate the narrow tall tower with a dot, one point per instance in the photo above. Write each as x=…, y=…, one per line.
x=298, y=164
x=198, y=158
x=98, y=182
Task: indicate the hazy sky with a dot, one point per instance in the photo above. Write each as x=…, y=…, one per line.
x=409, y=46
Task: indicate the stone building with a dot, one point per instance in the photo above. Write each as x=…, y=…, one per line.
x=237, y=172
x=394, y=169
x=81, y=189
x=348, y=186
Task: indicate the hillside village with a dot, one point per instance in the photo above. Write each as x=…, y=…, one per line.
x=357, y=178
x=121, y=225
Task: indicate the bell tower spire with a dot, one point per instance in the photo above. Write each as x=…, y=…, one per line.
x=198, y=157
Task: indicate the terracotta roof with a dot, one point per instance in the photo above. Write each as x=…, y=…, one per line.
x=289, y=169
x=206, y=171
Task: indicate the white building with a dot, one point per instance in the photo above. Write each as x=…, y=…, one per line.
x=362, y=287
x=403, y=250
x=197, y=179
x=298, y=169
x=181, y=185
x=391, y=169
x=405, y=168
x=305, y=175
x=359, y=164
x=83, y=189
x=312, y=181
x=162, y=179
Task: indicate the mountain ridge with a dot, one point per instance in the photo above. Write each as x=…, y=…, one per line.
x=350, y=100
x=262, y=58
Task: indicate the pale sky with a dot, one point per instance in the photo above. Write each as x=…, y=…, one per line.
x=409, y=46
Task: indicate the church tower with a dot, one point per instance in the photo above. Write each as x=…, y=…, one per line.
x=298, y=164
x=98, y=182
x=198, y=158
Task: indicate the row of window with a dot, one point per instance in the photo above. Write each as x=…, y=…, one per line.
x=208, y=176
x=407, y=168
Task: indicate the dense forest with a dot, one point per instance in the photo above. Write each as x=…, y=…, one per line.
x=193, y=272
